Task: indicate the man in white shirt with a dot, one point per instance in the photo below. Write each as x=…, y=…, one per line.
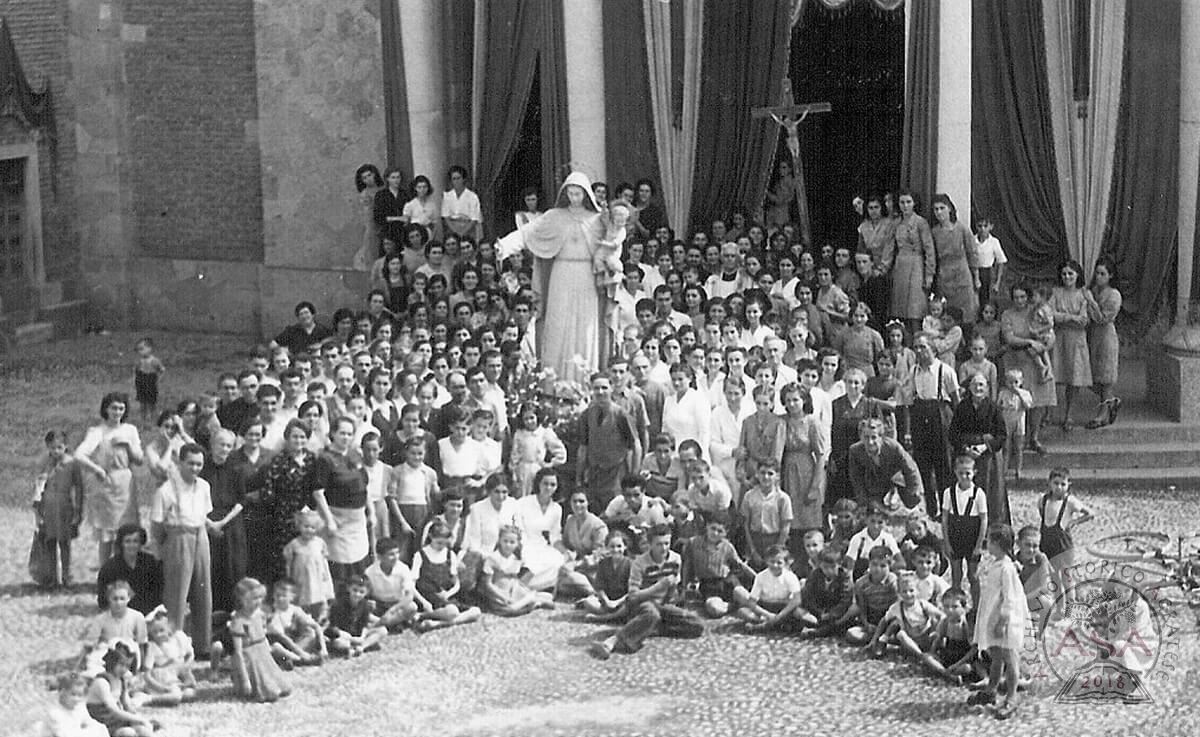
x=461, y=211
x=493, y=366
x=784, y=374
x=930, y=392
x=179, y=520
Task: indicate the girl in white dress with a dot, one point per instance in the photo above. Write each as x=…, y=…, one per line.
x=1000, y=624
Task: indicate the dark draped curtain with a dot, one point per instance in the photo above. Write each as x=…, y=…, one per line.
x=852, y=58
x=395, y=102
x=523, y=40
x=458, y=50
x=918, y=163
x=629, y=146
x=1141, y=236
x=744, y=60
x=1014, y=181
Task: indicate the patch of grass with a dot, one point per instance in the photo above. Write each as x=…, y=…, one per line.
x=58, y=386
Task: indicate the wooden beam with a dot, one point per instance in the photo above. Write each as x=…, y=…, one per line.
x=812, y=107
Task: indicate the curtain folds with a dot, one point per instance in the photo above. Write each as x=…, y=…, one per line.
x=1013, y=170
x=629, y=123
x=918, y=160
x=520, y=35
x=1142, y=232
x=1084, y=147
x=395, y=101
x=745, y=51
x=854, y=60
x=675, y=138
x=458, y=28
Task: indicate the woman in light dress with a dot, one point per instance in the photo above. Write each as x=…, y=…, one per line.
x=106, y=454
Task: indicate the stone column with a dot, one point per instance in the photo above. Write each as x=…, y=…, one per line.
x=1173, y=375
x=420, y=34
x=954, y=106
x=583, y=31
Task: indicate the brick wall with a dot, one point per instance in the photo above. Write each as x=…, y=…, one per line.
x=192, y=114
x=38, y=29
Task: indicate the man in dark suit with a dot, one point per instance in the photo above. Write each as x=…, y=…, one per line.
x=875, y=460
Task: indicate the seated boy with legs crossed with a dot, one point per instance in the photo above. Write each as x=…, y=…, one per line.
x=295, y=636
x=954, y=640
x=774, y=600
x=712, y=565
x=826, y=597
x=912, y=623
x=874, y=593
x=393, y=588
x=652, y=600
x=353, y=627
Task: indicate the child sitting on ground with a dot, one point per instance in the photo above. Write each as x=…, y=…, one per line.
x=867, y=539
x=930, y=585
x=168, y=670
x=711, y=567
x=118, y=623
x=353, y=628
x=685, y=523
x=109, y=695
x=918, y=534
x=435, y=568
x=774, y=600
x=256, y=676
x=809, y=561
x=611, y=581
x=69, y=716
x=826, y=597
x=661, y=468
x=874, y=593
x=393, y=589
x=913, y=623
x=844, y=524
x=954, y=641
x=296, y=638
x=504, y=578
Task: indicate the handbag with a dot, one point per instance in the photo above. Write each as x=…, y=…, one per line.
x=43, y=561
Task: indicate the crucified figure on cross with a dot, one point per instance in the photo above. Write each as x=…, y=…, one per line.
x=788, y=115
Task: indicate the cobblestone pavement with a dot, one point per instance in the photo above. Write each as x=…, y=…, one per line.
x=531, y=676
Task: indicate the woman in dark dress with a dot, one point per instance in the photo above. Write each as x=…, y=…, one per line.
x=978, y=430
x=389, y=206
x=285, y=487
x=228, y=543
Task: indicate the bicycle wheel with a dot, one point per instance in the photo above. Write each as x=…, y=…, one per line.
x=1130, y=546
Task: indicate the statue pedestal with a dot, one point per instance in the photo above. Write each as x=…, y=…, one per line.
x=1173, y=375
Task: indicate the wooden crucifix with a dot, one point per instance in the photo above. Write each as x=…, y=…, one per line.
x=788, y=115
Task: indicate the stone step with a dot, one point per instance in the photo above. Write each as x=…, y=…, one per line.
x=1183, y=478
x=1116, y=455
x=32, y=333
x=1134, y=432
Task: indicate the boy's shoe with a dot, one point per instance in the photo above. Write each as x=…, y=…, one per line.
x=981, y=698
x=1005, y=711
x=599, y=651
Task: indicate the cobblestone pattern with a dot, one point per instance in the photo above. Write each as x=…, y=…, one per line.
x=531, y=676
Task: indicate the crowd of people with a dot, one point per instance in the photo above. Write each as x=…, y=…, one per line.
x=765, y=409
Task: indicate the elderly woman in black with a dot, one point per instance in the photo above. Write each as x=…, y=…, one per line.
x=977, y=430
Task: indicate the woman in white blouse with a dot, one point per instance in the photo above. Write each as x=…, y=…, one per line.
x=726, y=432
x=540, y=520
x=686, y=414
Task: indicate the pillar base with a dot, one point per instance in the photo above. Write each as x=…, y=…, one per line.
x=1173, y=375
